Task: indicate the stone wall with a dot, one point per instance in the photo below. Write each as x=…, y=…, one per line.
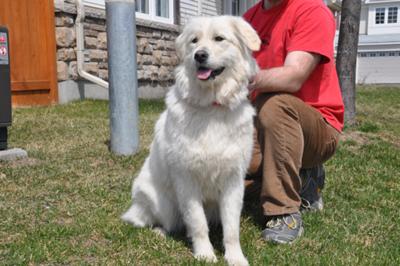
x=155, y=48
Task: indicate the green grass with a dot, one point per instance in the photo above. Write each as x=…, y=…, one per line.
x=62, y=205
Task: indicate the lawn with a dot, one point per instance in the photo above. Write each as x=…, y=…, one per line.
x=62, y=205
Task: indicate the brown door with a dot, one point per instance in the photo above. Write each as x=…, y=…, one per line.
x=32, y=50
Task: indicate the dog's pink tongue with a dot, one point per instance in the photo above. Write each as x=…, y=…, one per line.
x=203, y=73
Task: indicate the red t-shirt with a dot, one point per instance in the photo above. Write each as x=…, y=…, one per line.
x=302, y=25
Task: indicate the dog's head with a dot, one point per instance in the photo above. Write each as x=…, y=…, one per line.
x=216, y=61
x=212, y=46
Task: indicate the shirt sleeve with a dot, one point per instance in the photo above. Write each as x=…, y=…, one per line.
x=313, y=31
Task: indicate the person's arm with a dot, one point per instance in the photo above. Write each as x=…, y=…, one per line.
x=290, y=77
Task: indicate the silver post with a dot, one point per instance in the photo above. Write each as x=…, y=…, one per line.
x=122, y=68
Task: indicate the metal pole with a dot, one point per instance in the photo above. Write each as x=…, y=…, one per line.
x=122, y=68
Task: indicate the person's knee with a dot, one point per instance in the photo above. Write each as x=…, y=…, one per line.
x=275, y=110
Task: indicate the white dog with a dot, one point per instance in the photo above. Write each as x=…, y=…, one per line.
x=203, y=141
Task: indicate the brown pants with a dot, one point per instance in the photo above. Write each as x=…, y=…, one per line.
x=289, y=135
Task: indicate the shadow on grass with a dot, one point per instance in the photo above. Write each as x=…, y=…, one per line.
x=251, y=211
x=215, y=235
x=251, y=207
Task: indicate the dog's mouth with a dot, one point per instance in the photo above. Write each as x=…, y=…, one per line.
x=205, y=73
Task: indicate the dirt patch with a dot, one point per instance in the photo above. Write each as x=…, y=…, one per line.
x=358, y=137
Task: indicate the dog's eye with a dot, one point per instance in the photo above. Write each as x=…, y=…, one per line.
x=219, y=38
x=195, y=40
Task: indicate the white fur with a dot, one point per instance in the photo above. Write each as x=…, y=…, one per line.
x=199, y=156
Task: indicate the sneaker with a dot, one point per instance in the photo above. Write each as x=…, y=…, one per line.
x=313, y=181
x=283, y=229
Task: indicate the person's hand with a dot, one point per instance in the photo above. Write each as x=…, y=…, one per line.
x=252, y=83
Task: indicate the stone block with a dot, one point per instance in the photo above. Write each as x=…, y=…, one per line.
x=64, y=21
x=102, y=40
x=62, y=71
x=147, y=60
x=92, y=67
x=169, y=45
x=95, y=26
x=66, y=54
x=103, y=74
x=90, y=43
x=166, y=61
x=156, y=34
x=98, y=55
x=91, y=33
x=164, y=73
x=103, y=65
x=65, y=37
x=73, y=70
x=142, y=43
x=157, y=58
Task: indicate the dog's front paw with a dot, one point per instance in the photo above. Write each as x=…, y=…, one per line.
x=203, y=250
x=205, y=254
x=207, y=257
x=236, y=260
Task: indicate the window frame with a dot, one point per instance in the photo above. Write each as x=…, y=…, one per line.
x=152, y=10
x=152, y=13
x=394, y=15
x=243, y=6
x=95, y=3
x=380, y=13
x=386, y=14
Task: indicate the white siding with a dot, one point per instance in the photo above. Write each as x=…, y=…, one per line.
x=209, y=8
x=383, y=28
x=188, y=9
x=192, y=8
x=378, y=70
x=364, y=20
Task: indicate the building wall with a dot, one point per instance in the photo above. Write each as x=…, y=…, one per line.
x=380, y=69
x=382, y=28
x=193, y=8
x=378, y=58
x=188, y=9
x=210, y=7
x=155, y=51
x=364, y=20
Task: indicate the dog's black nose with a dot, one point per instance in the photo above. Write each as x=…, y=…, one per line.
x=201, y=56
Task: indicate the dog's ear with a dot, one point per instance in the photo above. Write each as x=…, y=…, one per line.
x=246, y=33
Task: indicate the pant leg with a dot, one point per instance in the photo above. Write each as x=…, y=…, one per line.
x=290, y=135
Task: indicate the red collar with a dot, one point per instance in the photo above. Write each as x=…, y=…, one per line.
x=215, y=103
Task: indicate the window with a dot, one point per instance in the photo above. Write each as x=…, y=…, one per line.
x=237, y=7
x=379, y=54
x=392, y=15
x=380, y=16
x=156, y=10
x=142, y=6
x=162, y=8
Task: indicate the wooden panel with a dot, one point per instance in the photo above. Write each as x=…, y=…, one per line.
x=31, y=85
x=32, y=50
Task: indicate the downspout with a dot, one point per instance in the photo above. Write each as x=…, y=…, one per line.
x=80, y=45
